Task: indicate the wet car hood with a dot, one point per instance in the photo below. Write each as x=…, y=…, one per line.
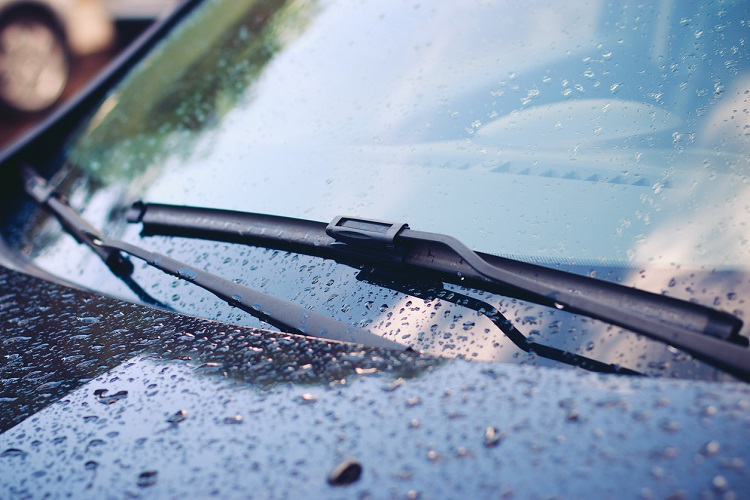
x=167, y=404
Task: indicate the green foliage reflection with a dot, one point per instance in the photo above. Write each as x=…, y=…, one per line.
x=184, y=89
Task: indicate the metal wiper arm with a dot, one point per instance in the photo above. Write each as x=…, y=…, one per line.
x=37, y=188
x=287, y=316
x=705, y=333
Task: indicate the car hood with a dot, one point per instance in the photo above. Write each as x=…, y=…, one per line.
x=96, y=396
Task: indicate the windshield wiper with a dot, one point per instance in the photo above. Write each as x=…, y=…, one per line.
x=280, y=313
x=705, y=333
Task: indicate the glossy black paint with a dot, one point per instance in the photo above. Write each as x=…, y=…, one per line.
x=210, y=409
x=55, y=339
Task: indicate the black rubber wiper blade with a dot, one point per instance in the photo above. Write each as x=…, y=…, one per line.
x=705, y=333
x=287, y=316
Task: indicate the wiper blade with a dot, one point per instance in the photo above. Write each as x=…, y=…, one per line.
x=287, y=316
x=705, y=333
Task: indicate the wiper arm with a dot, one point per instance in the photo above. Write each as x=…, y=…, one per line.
x=285, y=315
x=82, y=231
x=705, y=333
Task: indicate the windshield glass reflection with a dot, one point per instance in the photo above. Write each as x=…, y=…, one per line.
x=609, y=138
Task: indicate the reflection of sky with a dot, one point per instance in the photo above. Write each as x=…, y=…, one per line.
x=516, y=129
x=521, y=139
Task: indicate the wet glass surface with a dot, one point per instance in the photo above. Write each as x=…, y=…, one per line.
x=606, y=139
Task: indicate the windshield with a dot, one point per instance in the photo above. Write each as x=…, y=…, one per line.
x=610, y=139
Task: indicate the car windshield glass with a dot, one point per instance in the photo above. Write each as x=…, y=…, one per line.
x=610, y=139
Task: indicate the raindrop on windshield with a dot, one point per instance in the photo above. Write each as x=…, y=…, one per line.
x=147, y=478
x=178, y=417
x=234, y=420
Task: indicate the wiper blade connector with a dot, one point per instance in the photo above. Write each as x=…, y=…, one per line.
x=705, y=333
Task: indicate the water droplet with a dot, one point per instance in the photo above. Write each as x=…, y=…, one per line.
x=113, y=398
x=394, y=385
x=236, y=419
x=670, y=425
x=347, y=472
x=89, y=320
x=709, y=411
x=186, y=273
x=209, y=368
x=13, y=452
x=308, y=399
x=710, y=449
x=178, y=417
x=95, y=444
x=720, y=483
x=492, y=437
x=148, y=478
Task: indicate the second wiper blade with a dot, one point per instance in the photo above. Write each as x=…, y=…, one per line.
x=705, y=333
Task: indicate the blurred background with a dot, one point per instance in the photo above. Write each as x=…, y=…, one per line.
x=49, y=49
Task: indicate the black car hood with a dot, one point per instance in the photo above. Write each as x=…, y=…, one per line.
x=103, y=397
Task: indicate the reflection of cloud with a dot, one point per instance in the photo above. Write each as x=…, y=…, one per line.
x=441, y=72
x=710, y=223
x=712, y=227
x=571, y=122
x=728, y=125
x=722, y=290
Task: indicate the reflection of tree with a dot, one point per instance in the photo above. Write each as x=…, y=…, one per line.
x=188, y=85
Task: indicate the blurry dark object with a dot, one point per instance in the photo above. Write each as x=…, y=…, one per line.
x=37, y=42
x=35, y=62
